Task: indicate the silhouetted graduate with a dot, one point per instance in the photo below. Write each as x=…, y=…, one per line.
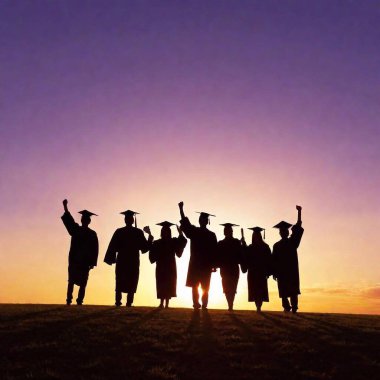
x=163, y=253
x=285, y=261
x=229, y=257
x=203, y=245
x=257, y=260
x=83, y=255
x=124, y=250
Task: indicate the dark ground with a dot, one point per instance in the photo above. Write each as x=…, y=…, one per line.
x=97, y=342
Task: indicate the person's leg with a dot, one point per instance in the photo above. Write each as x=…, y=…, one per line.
x=258, y=305
x=118, y=296
x=286, y=304
x=81, y=294
x=69, y=297
x=196, y=304
x=230, y=300
x=294, y=303
x=204, y=298
x=130, y=298
x=161, y=302
x=167, y=303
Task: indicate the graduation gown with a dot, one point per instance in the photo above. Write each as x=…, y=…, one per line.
x=229, y=257
x=84, y=249
x=203, y=245
x=163, y=253
x=285, y=263
x=124, y=250
x=257, y=261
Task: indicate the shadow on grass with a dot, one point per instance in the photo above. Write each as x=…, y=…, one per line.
x=32, y=314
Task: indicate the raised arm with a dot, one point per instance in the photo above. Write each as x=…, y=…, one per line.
x=68, y=220
x=297, y=230
x=180, y=243
x=145, y=245
x=65, y=202
x=299, y=219
x=182, y=213
x=186, y=226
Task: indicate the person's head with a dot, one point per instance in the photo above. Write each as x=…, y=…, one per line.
x=204, y=219
x=85, y=220
x=256, y=234
x=129, y=217
x=228, y=232
x=283, y=228
x=256, y=237
x=228, y=229
x=86, y=217
x=284, y=232
x=129, y=220
x=166, y=232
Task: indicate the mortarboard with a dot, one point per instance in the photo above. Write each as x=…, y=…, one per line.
x=257, y=230
x=283, y=225
x=86, y=213
x=165, y=224
x=206, y=214
x=130, y=213
x=229, y=225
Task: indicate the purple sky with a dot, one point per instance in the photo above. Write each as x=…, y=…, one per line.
x=280, y=97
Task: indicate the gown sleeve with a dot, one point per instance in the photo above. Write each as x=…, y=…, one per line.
x=144, y=244
x=187, y=228
x=214, y=249
x=269, y=261
x=153, y=253
x=94, y=250
x=218, y=256
x=70, y=224
x=110, y=256
x=297, y=232
x=243, y=256
x=274, y=260
x=180, y=244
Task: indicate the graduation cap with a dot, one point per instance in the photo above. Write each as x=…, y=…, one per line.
x=165, y=224
x=205, y=215
x=283, y=225
x=86, y=213
x=130, y=213
x=229, y=225
x=257, y=230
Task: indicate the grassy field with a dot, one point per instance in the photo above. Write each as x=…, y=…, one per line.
x=97, y=342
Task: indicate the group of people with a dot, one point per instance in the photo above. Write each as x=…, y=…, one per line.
x=231, y=255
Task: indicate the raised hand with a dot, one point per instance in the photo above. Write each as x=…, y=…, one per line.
x=299, y=209
x=146, y=229
x=180, y=205
x=65, y=202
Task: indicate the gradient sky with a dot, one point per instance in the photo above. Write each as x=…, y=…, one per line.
x=240, y=108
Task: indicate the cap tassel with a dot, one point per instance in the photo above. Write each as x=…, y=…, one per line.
x=264, y=234
x=135, y=221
